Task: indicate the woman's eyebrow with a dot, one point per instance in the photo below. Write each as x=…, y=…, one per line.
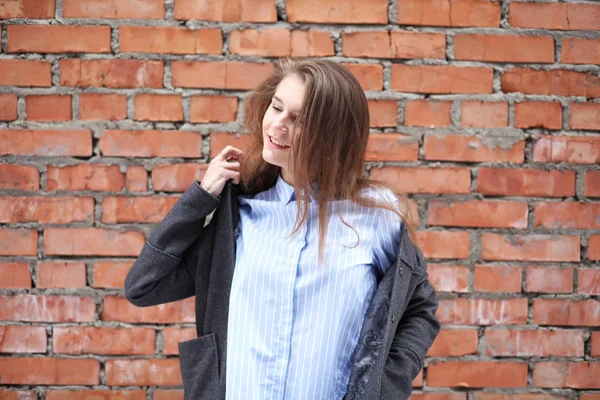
x=281, y=101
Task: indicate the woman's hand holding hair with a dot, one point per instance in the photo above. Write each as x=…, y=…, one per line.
x=225, y=166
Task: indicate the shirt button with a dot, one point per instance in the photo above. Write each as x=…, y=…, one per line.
x=393, y=317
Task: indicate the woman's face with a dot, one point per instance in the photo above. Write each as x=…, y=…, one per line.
x=279, y=120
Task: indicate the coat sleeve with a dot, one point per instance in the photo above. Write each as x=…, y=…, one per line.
x=165, y=269
x=415, y=334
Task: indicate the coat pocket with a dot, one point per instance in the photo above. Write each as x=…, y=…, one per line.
x=199, y=363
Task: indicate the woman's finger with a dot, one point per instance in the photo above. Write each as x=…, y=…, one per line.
x=232, y=165
x=230, y=152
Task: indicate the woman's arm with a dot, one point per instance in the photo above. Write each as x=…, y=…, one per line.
x=165, y=269
x=414, y=336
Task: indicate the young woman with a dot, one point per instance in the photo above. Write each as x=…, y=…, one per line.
x=307, y=283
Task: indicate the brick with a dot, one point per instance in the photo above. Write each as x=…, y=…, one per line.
x=580, y=51
x=483, y=114
x=532, y=247
x=213, y=108
x=394, y=44
x=428, y=113
x=158, y=107
x=121, y=310
x=106, y=107
x=219, y=74
x=32, y=9
x=58, y=39
x=49, y=371
x=219, y=140
x=479, y=213
x=25, y=73
x=330, y=11
x=589, y=281
x=438, y=396
x=108, y=274
x=567, y=215
x=418, y=381
x=382, y=113
x=47, y=143
x=94, y=177
x=46, y=210
x=9, y=394
x=227, y=11
x=498, y=279
x=14, y=275
x=96, y=394
x=525, y=182
x=504, y=48
x=18, y=242
x=143, y=372
x=585, y=116
x=458, y=13
x=560, y=16
x=92, y=241
x=176, y=177
x=136, y=209
x=454, y=342
x=522, y=396
x=170, y=40
x=391, y=147
x=578, y=375
x=311, y=43
x=538, y=114
x=101, y=340
x=541, y=279
x=8, y=106
x=443, y=244
x=22, y=339
x=594, y=247
x=19, y=177
x=151, y=143
x=441, y=79
x=175, y=335
x=172, y=395
x=463, y=311
x=533, y=343
x=136, y=179
x=595, y=347
x=47, y=308
x=270, y=42
x=472, y=148
x=477, y=374
x=370, y=76
x=112, y=73
x=565, y=312
x=53, y=274
x=566, y=149
x=557, y=82
x=146, y=9
x=449, y=278
x=425, y=180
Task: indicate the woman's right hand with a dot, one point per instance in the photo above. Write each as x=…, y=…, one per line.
x=223, y=167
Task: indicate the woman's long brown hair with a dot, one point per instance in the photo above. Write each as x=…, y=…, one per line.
x=328, y=146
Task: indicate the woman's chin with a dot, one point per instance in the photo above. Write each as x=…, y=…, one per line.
x=269, y=157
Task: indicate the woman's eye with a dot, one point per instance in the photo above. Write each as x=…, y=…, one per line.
x=276, y=108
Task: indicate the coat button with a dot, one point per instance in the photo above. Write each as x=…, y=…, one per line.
x=401, y=271
x=393, y=317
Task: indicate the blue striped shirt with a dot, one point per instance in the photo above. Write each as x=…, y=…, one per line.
x=294, y=322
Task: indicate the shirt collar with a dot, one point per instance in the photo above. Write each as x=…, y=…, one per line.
x=286, y=193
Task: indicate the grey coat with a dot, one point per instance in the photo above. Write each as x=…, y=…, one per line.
x=183, y=258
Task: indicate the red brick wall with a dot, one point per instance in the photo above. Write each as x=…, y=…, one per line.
x=486, y=112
